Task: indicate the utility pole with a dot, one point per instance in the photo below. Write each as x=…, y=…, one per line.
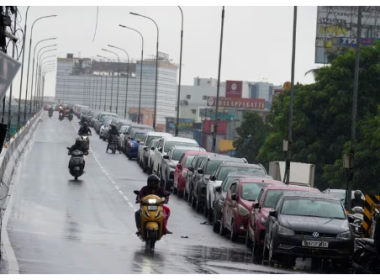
x=287, y=144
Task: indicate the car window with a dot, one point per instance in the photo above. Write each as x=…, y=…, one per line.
x=272, y=198
x=198, y=163
x=170, y=144
x=260, y=195
x=150, y=138
x=250, y=191
x=138, y=136
x=311, y=207
x=177, y=154
x=233, y=188
x=212, y=166
x=227, y=183
x=153, y=143
x=181, y=159
x=223, y=172
x=189, y=160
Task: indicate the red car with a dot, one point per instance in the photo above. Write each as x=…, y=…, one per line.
x=259, y=213
x=237, y=206
x=181, y=169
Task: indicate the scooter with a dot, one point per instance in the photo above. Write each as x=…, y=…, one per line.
x=50, y=114
x=76, y=165
x=113, y=143
x=152, y=219
x=61, y=116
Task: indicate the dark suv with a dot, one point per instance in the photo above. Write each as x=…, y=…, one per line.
x=202, y=175
x=308, y=225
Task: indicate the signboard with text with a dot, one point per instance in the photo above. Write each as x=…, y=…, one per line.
x=8, y=70
x=234, y=89
x=246, y=103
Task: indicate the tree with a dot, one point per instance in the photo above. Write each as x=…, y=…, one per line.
x=252, y=134
x=322, y=118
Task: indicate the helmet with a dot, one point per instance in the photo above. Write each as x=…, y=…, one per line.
x=85, y=124
x=78, y=141
x=113, y=126
x=358, y=195
x=153, y=181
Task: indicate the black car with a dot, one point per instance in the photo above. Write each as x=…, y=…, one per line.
x=202, y=176
x=308, y=225
x=221, y=191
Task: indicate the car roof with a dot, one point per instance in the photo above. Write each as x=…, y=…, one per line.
x=293, y=188
x=186, y=148
x=240, y=164
x=309, y=195
x=259, y=180
x=139, y=131
x=247, y=175
x=195, y=153
x=218, y=157
x=109, y=113
x=135, y=125
x=163, y=134
x=181, y=139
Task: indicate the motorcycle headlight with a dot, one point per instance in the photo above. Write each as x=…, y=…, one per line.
x=243, y=211
x=152, y=201
x=263, y=221
x=285, y=231
x=344, y=235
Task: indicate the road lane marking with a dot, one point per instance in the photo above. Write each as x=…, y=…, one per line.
x=126, y=198
x=132, y=206
x=121, y=192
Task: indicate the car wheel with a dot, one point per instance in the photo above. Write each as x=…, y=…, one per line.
x=215, y=224
x=222, y=229
x=248, y=241
x=233, y=235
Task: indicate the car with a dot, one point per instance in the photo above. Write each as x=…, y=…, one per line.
x=106, y=122
x=133, y=143
x=143, y=147
x=258, y=215
x=308, y=225
x=181, y=170
x=164, y=145
x=217, y=179
x=240, y=196
x=341, y=194
x=135, y=126
x=202, y=175
x=122, y=131
x=148, y=153
x=170, y=162
x=221, y=191
x=121, y=122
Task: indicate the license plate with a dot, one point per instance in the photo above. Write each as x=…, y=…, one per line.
x=152, y=208
x=315, y=244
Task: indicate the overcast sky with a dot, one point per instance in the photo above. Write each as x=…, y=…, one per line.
x=257, y=40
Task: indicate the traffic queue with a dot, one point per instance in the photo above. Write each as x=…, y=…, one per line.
x=280, y=223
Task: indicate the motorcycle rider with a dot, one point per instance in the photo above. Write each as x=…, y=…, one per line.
x=357, y=201
x=51, y=111
x=152, y=187
x=84, y=129
x=113, y=132
x=77, y=146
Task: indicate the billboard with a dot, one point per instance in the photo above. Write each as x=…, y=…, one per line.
x=337, y=28
x=234, y=89
x=277, y=92
x=183, y=124
x=246, y=103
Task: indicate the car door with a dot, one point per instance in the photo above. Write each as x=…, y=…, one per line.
x=165, y=164
x=270, y=224
x=157, y=155
x=229, y=205
x=141, y=147
x=255, y=212
x=199, y=176
x=178, y=171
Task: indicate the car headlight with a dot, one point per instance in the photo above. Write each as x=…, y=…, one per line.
x=285, y=231
x=243, y=211
x=344, y=235
x=263, y=221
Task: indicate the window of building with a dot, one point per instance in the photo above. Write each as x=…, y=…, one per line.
x=188, y=96
x=193, y=111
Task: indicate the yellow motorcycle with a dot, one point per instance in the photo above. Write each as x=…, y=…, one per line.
x=152, y=219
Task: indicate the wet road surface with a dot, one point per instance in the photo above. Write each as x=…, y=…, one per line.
x=61, y=226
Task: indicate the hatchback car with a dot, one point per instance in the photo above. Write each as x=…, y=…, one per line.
x=133, y=144
x=145, y=142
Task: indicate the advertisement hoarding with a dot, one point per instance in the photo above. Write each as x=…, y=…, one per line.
x=337, y=27
x=246, y=103
x=234, y=89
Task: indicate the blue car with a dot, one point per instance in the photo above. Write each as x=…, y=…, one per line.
x=133, y=143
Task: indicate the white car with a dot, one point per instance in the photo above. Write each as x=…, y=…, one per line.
x=145, y=141
x=148, y=155
x=123, y=129
x=164, y=145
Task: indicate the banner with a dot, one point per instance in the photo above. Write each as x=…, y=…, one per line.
x=246, y=103
x=234, y=89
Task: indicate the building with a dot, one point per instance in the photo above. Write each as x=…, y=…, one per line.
x=102, y=85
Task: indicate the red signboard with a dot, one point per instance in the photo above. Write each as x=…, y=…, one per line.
x=246, y=103
x=234, y=89
x=277, y=92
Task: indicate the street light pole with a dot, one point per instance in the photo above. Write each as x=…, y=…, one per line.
x=118, y=78
x=290, y=133
x=100, y=93
x=126, y=88
x=156, y=81
x=22, y=69
x=180, y=74
x=141, y=66
x=39, y=71
x=218, y=87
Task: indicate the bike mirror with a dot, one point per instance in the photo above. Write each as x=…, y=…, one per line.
x=136, y=192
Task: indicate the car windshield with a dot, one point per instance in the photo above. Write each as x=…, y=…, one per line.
x=311, y=207
x=212, y=166
x=189, y=159
x=150, y=138
x=272, y=198
x=153, y=143
x=139, y=136
x=228, y=183
x=107, y=122
x=123, y=129
x=251, y=191
x=177, y=154
x=170, y=144
x=228, y=169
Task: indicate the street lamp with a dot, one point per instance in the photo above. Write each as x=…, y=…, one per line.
x=30, y=48
x=126, y=88
x=218, y=86
x=39, y=77
x=105, y=92
x=180, y=74
x=27, y=76
x=118, y=77
x=47, y=67
x=43, y=85
x=155, y=91
x=142, y=57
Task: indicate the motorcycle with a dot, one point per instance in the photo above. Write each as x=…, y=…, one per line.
x=113, y=143
x=152, y=219
x=366, y=258
x=70, y=117
x=76, y=165
x=85, y=141
x=50, y=114
x=357, y=218
x=61, y=116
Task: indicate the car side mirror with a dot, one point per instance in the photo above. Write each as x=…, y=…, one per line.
x=145, y=148
x=256, y=205
x=234, y=196
x=191, y=169
x=218, y=189
x=200, y=171
x=212, y=178
x=273, y=213
x=166, y=157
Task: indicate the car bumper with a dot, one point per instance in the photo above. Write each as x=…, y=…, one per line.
x=337, y=249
